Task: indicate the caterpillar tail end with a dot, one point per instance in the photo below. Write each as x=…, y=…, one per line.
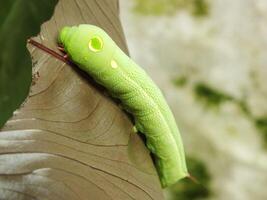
x=171, y=180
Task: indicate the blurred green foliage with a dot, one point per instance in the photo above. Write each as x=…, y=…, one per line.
x=157, y=7
x=19, y=20
x=186, y=189
x=261, y=124
x=244, y=107
x=200, y=8
x=180, y=81
x=209, y=95
x=197, y=8
x=213, y=97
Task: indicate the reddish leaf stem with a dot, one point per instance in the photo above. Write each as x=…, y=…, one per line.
x=49, y=51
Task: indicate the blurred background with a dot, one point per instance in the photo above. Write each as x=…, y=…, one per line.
x=209, y=59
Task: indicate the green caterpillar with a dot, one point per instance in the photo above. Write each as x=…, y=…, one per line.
x=96, y=53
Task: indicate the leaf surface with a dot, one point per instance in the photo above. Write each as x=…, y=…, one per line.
x=68, y=140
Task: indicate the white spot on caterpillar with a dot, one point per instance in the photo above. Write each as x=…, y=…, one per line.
x=113, y=64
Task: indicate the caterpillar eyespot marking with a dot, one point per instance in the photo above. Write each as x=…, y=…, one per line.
x=95, y=44
x=137, y=92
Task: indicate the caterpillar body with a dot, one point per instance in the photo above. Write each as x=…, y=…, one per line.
x=91, y=48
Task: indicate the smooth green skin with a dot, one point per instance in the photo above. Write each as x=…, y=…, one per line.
x=138, y=93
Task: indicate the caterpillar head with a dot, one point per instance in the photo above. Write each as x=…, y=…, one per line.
x=88, y=46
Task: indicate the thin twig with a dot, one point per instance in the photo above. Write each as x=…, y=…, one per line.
x=49, y=51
